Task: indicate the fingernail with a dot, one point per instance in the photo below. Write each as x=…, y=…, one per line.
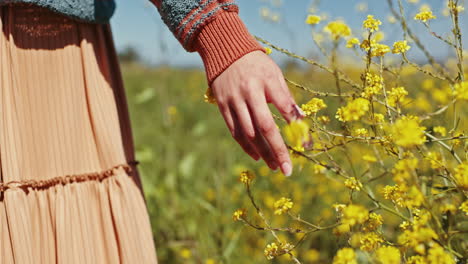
x=299, y=111
x=286, y=168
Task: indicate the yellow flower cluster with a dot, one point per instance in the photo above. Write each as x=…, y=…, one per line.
x=403, y=196
x=403, y=170
x=239, y=214
x=353, y=111
x=435, y=160
x=440, y=130
x=375, y=221
x=376, y=49
x=354, y=214
x=397, y=96
x=424, y=16
x=297, y=133
x=461, y=90
x=313, y=106
x=273, y=250
x=338, y=29
x=388, y=255
x=370, y=241
x=352, y=42
x=400, y=47
x=374, y=84
x=312, y=20
x=345, y=256
x=353, y=184
x=283, y=205
x=361, y=132
x=268, y=50
x=464, y=207
x=417, y=235
x=407, y=132
x=371, y=23
x=461, y=175
x=246, y=177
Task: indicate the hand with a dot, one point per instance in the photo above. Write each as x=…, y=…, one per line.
x=242, y=93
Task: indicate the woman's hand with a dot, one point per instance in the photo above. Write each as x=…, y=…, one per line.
x=242, y=93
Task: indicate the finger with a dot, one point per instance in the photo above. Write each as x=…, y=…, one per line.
x=241, y=111
x=261, y=145
x=278, y=93
x=244, y=140
x=267, y=127
x=236, y=132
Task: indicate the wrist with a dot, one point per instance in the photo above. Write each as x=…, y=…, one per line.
x=223, y=41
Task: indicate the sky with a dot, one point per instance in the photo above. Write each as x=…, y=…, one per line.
x=137, y=23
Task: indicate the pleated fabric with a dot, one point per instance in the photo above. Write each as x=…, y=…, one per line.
x=69, y=188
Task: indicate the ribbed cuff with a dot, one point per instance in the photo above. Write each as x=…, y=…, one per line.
x=223, y=41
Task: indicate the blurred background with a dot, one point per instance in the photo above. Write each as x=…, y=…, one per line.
x=189, y=162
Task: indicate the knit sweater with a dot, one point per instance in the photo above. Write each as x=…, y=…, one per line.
x=210, y=27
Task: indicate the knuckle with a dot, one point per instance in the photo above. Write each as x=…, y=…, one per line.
x=267, y=126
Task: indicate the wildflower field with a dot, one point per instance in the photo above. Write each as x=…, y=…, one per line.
x=381, y=170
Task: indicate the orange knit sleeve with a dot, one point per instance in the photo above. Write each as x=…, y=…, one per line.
x=210, y=27
x=222, y=41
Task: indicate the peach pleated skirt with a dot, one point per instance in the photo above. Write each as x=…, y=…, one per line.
x=69, y=188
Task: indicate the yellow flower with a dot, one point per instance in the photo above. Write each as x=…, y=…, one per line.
x=341, y=229
x=396, y=96
x=440, y=130
x=388, y=255
x=283, y=205
x=464, y=207
x=345, y=256
x=239, y=214
x=461, y=90
x=297, y=133
x=400, y=47
x=416, y=260
x=394, y=193
x=371, y=23
x=246, y=177
x=438, y=255
x=352, y=42
x=461, y=175
x=185, y=253
x=374, y=222
x=313, y=106
x=338, y=29
x=424, y=16
x=374, y=84
x=312, y=255
x=361, y=132
x=407, y=132
x=355, y=214
x=447, y=207
x=353, y=184
x=353, y=111
x=379, y=50
x=209, y=97
x=403, y=170
x=210, y=261
x=370, y=241
x=268, y=50
x=313, y=20
x=435, y=160
x=273, y=250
